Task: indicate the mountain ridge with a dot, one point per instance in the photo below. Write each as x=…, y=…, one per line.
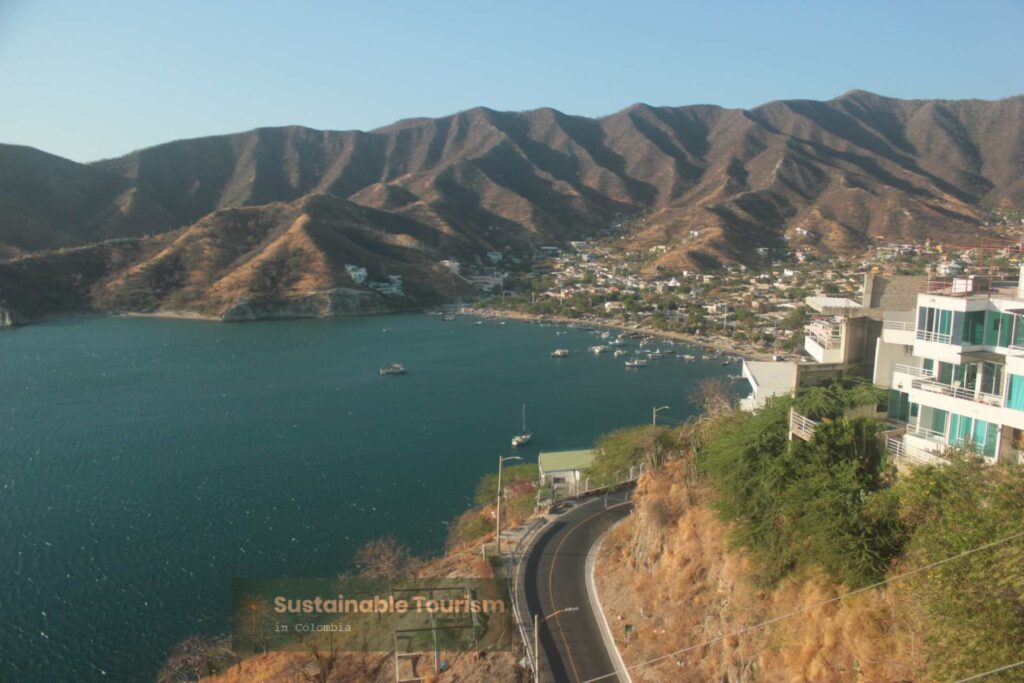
x=708, y=182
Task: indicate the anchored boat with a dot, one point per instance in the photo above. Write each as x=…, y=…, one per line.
x=393, y=369
x=523, y=438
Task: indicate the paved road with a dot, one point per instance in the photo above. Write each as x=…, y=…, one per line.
x=554, y=577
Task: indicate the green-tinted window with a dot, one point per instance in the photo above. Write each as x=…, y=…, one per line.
x=1018, y=332
x=1005, y=329
x=974, y=327
x=991, y=328
x=1015, y=396
x=898, y=407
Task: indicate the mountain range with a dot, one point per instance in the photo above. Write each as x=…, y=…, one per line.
x=264, y=222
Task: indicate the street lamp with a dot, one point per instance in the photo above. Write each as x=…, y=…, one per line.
x=536, y=638
x=501, y=460
x=654, y=414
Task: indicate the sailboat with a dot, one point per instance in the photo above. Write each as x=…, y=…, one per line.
x=524, y=438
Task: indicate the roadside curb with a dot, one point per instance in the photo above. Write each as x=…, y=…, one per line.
x=595, y=601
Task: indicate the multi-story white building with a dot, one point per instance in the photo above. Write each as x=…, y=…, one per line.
x=955, y=369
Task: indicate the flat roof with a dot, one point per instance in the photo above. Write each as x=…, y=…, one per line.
x=770, y=378
x=565, y=461
x=830, y=305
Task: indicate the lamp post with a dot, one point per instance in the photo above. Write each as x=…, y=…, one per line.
x=537, y=621
x=501, y=460
x=654, y=414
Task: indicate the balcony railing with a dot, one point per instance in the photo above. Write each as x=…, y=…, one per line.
x=925, y=433
x=940, y=337
x=898, y=325
x=911, y=454
x=823, y=340
x=957, y=392
x=913, y=370
x=801, y=426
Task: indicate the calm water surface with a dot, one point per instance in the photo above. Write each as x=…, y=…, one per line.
x=145, y=462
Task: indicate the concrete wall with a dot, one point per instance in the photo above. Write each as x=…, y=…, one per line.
x=888, y=355
x=893, y=292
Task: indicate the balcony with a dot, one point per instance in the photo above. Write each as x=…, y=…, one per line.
x=912, y=370
x=931, y=386
x=938, y=337
x=973, y=286
x=898, y=327
x=912, y=455
x=823, y=341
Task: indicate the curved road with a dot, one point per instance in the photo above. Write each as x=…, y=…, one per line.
x=554, y=577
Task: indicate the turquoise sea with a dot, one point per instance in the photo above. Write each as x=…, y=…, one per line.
x=145, y=462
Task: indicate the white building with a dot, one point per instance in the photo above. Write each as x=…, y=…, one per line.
x=357, y=273
x=453, y=266
x=961, y=379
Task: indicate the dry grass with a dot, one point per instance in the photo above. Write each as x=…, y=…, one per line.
x=669, y=573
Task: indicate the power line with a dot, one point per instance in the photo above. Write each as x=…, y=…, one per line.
x=794, y=613
x=976, y=677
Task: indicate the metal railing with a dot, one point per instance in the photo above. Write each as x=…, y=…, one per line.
x=926, y=433
x=940, y=337
x=898, y=325
x=801, y=426
x=935, y=387
x=913, y=370
x=972, y=286
x=912, y=454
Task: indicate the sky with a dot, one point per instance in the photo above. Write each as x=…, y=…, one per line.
x=91, y=80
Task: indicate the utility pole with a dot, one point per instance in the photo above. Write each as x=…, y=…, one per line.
x=536, y=638
x=654, y=414
x=501, y=460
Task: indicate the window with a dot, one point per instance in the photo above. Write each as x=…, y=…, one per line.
x=992, y=379
x=991, y=328
x=974, y=327
x=1018, y=332
x=1015, y=396
x=970, y=433
x=899, y=405
x=1005, y=329
x=934, y=324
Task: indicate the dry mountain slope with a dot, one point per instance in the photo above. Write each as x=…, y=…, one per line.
x=710, y=183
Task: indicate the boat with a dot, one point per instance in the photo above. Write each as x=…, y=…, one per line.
x=605, y=335
x=502, y=322
x=636, y=363
x=386, y=330
x=523, y=438
x=656, y=353
x=668, y=350
x=560, y=353
x=689, y=358
x=447, y=318
x=479, y=322
x=619, y=352
x=598, y=349
x=393, y=369
x=616, y=342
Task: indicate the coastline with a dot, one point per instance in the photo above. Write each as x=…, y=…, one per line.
x=723, y=344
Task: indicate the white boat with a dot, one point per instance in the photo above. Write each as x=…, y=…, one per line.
x=619, y=352
x=689, y=358
x=560, y=353
x=616, y=342
x=599, y=349
x=524, y=438
x=393, y=369
x=656, y=353
x=636, y=363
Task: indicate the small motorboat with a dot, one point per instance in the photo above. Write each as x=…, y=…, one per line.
x=393, y=369
x=636, y=363
x=560, y=353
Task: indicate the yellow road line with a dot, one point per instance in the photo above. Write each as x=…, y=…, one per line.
x=551, y=573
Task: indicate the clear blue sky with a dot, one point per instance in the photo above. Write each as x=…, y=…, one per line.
x=89, y=80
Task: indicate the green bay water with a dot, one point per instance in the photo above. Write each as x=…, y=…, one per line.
x=145, y=462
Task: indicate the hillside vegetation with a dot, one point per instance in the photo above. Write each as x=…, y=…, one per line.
x=741, y=527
